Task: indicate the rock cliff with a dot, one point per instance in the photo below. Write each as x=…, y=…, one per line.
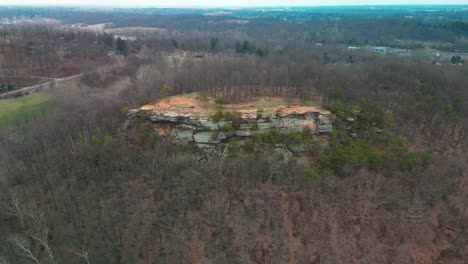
x=186, y=119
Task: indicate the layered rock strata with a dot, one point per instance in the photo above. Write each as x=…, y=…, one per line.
x=186, y=121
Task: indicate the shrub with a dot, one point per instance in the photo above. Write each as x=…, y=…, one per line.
x=221, y=101
x=450, y=112
x=203, y=97
x=426, y=158
x=306, y=96
x=254, y=127
x=272, y=137
x=248, y=146
x=294, y=137
x=204, y=129
x=226, y=128
x=217, y=116
x=388, y=120
x=96, y=140
x=313, y=148
x=228, y=116
x=340, y=109
x=124, y=109
x=233, y=149
x=409, y=161
x=311, y=174
x=277, y=137
x=369, y=113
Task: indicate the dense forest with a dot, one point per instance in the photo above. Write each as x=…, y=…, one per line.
x=405, y=27
x=78, y=186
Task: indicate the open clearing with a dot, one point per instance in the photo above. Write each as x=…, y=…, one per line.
x=189, y=104
x=23, y=109
x=109, y=28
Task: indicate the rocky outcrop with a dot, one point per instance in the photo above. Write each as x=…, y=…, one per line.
x=203, y=130
x=189, y=123
x=212, y=138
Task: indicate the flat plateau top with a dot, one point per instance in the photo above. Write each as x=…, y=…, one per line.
x=189, y=104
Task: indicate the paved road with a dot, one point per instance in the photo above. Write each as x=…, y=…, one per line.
x=38, y=87
x=410, y=51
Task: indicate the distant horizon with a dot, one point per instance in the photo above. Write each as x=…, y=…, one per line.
x=236, y=6
x=221, y=4
x=2, y=5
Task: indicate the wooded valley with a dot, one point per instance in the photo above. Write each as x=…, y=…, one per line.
x=389, y=183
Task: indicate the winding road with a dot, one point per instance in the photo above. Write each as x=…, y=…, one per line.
x=38, y=87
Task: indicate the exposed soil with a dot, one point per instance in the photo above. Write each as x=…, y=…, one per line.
x=189, y=104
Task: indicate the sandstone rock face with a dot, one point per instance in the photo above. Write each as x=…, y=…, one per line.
x=210, y=137
x=183, y=132
x=185, y=121
x=205, y=131
x=324, y=125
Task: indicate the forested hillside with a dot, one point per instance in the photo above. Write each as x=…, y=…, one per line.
x=78, y=184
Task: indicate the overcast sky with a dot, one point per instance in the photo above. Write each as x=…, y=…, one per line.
x=193, y=3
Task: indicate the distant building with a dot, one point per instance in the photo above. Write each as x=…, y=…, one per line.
x=397, y=51
x=318, y=44
x=129, y=38
x=354, y=48
x=380, y=49
x=447, y=45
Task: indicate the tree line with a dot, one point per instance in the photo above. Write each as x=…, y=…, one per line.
x=75, y=187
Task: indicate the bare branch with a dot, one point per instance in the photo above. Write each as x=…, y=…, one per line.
x=3, y=260
x=13, y=208
x=25, y=249
x=82, y=252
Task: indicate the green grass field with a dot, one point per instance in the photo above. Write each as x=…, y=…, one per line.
x=23, y=109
